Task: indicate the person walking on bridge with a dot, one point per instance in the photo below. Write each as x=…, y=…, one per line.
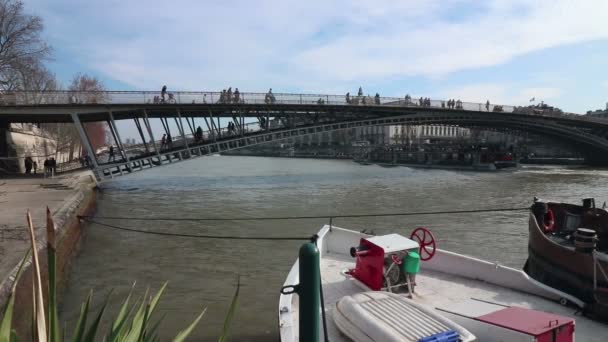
x=111, y=155
x=360, y=93
x=229, y=95
x=163, y=92
x=163, y=142
x=169, y=141
x=199, y=134
x=488, y=105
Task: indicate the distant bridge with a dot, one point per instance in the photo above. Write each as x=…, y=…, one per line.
x=277, y=117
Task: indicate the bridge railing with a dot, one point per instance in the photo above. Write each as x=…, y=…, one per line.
x=177, y=141
x=187, y=97
x=190, y=97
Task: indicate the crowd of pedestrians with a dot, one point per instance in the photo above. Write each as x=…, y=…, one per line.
x=166, y=142
x=50, y=167
x=424, y=102
x=228, y=96
x=454, y=104
x=362, y=99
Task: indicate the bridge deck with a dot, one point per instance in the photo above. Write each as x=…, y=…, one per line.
x=296, y=115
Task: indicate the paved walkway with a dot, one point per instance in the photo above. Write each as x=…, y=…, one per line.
x=17, y=195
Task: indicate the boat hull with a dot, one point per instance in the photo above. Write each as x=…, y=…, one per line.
x=564, y=269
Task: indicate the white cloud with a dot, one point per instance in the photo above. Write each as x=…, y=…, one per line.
x=313, y=45
x=480, y=93
x=539, y=93
x=503, y=93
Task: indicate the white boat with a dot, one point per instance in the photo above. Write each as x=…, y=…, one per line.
x=461, y=293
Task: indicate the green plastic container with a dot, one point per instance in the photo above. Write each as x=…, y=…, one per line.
x=412, y=263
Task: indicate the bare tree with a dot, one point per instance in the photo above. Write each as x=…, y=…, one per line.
x=89, y=89
x=20, y=41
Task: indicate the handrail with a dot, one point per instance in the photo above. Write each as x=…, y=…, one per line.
x=67, y=97
x=597, y=265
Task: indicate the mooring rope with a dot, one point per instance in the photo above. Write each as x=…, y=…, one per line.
x=226, y=237
x=310, y=217
x=89, y=219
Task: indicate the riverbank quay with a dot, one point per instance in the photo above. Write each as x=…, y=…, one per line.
x=66, y=196
x=476, y=167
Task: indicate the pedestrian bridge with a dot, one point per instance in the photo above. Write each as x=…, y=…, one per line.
x=258, y=118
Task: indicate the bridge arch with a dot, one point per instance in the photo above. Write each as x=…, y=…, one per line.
x=590, y=143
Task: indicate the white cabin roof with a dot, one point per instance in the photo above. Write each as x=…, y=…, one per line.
x=393, y=243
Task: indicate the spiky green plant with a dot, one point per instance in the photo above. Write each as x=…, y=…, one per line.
x=129, y=325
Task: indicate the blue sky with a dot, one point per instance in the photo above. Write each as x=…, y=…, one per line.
x=501, y=50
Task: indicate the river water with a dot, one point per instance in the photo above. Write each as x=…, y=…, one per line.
x=202, y=273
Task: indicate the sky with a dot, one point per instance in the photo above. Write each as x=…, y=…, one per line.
x=505, y=51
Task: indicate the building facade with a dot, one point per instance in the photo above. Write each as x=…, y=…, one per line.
x=415, y=134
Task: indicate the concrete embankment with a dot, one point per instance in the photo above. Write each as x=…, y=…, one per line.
x=67, y=197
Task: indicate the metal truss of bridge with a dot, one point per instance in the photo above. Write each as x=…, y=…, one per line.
x=275, y=117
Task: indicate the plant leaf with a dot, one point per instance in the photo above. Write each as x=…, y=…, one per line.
x=138, y=320
x=38, y=298
x=82, y=320
x=7, y=316
x=118, y=326
x=151, y=335
x=52, y=267
x=231, y=311
x=14, y=337
x=181, y=336
x=157, y=298
x=92, y=332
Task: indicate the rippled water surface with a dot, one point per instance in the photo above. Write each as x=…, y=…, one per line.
x=202, y=273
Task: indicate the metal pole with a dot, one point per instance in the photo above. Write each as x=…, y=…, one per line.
x=267, y=121
x=209, y=128
x=181, y=129
x=242, y=123
x=189, y=125
x=141, y=133
x=85, y=141
x=219, y=128
x=309, y=292
x=213, y=129
x=165, y=124
x=117, y=137
x=594, y=272
x=147, y=122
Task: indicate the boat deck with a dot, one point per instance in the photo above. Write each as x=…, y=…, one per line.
x=439, y=289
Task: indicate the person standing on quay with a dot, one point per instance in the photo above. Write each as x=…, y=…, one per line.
x=28, y=165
